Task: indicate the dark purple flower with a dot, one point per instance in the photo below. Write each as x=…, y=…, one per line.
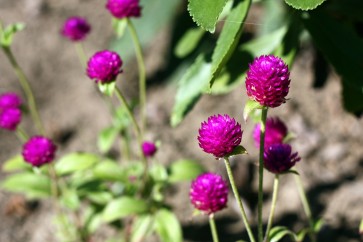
x=219, y=135
x=75, y=28
x=10, y=118
x=124, y=8
x=148, y=148
x=267, y=81
x=10, y=100
x=39, y=150
x=209, y=193
x=275, y=132
x=104, y=66
x=278, y=158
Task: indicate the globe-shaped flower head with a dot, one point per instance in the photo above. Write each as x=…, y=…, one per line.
x=148, y=148
x=124, y=8
x=39, y=150
x=75, y=28
x=10, y=118
x=275, y=132
x=219, y=135
x=209, y=193
x=104, y=66
x=10, y=100
x=267, y=81
x=278, y=158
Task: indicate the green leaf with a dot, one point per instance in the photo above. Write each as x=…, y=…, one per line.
x=7, y=35
x=70, y=199
x=142, y=227
x=107, y=88
x=106, y=138
x=32, y=185
x=328, y=34
x=16, y=163
x=100, y=197
x=188, y=42
x=318, y=224
x=119, y=26
x=206, y=14
x=361, y=227
x=109, y=170
x=301, y=235
x=75, y=162
x=158, y=173
x=229, y=38
x=194, y=81
x=250, y=106
x=123, y=207
x=278, y=232
x=184, y=170
x=167, y=226
x=304, y=4
x=239, y=150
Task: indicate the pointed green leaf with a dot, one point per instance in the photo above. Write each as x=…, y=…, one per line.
x=75, y=162
x=188, y=42
x=304, y=4
x=16, y=163
x=107, y=138
x=101, y=197
x=279, y=232
x=185, y=170
x=361, y=227
x=123, y=207
x=119, y=26
x=250, y=106
x=109, y=170
x=167, y=226
x=205, y=14
x=70, y=199
x=238, y=150
x=318, y=224
x=301, y=235
x=142, y=227
x=7, y=35
x=107, y=88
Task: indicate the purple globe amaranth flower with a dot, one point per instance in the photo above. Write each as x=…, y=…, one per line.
x=104, y=66
x=149, y=149
x=10, y=118
x=219, y=135
x=209, y=193
x=267, y=81
x=39, y=150
x=124, y=8
x=10, y=100
x=75, y=28
x=278, y=158
x=275, y=132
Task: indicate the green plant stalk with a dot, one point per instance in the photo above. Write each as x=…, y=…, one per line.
x=142, y=73
x=26, y=88
x=260, y=172
x=306, y=206
x=238, y=199
x=273, y=205
x=81, y=54
x=213, y=228
x=22, y=135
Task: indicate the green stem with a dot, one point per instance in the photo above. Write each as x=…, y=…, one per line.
x=142, y=73
x=306, y=206
x=273, y=205
x=81, y=54
x=238, y=199
x=260, y=173
x=22, y=135
x=27, y=90
x=213, y=228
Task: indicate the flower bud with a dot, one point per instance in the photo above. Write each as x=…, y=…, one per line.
x=278, y=158
x=124, y=8
x=75, y=28
x=10, y=118
x=10, y=100
x=149, y=149
x=275, y=132
x=39, y=150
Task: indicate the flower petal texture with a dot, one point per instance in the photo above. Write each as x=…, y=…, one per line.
x=39, y=150
x=124, y=8
x=10, y=118
x=268, y=81
x=219, y=135
x=75, y=28
x=10, y=100
x=279, y=158
x=209, y=193
x=148, y=148
x=275, y=132
x=104, y=66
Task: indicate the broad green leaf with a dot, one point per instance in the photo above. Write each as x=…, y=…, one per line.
x=158, y=173
x=229, y=37
x=16, y=163
x=109, y=170
x=167, y=226
x=142, y=227
x=188, y=42
x=194, y=81
x=304, y=4
x=328, y=34
x=107, y=88
x=101, y=197
x=32, y=185
x=70, y=199
x=185, y=170
x=7, y=34
x=279, y=232
x=119, y=26
x=205, y=14
x=250, y=106
x=123, y=207
x=75, y=162
x=106, y=138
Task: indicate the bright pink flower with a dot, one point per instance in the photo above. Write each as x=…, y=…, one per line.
x=209, y=193
x=148, y=148
x=75, y=28
x=267, y=81
x=39, y=150
x=10, y=100
x=278, y=158
x=275, y=132
x=10, y=118
x=124, y=8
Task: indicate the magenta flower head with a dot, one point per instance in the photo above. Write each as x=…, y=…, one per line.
x=267, y=81
x=75, y=28
x=10, y=100
x=219, y=135
x=104, y=66
x=124, y=8
x=209, y=193
x=275, y=132
x=39, y=150
x=278, y=158
x=10, y=118
x=149, y=149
